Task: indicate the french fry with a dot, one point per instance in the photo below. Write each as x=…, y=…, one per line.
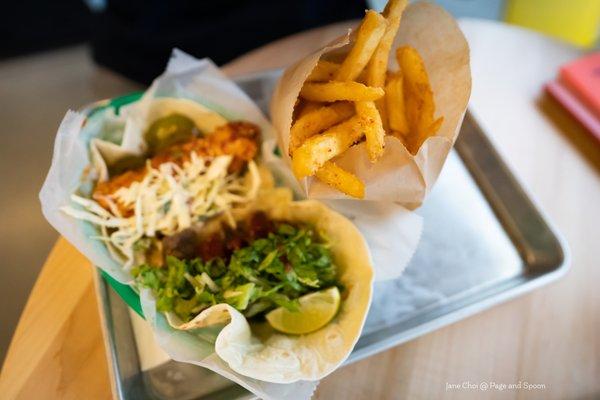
x=339, y=91
x=368, y=36
x=377, y=67
x=318, y=149
x=418, y=95
x=316, y=121
x=382, y=108
x=376, y=70
x=435, y=126
x=394, y=8
x=373, y=128
x=417, y=88
x=323, y=71
x=400, y=136
x=307, y=107
x=395, y=107
x=414, y=142
x=341, y=180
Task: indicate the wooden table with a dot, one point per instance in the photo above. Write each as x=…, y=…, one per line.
x=549, y=337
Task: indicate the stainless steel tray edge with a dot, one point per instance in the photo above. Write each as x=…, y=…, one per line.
x=492, y=299
x=462, y=313
x=101, y=288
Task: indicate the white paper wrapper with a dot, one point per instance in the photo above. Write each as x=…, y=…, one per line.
x=201, y=82
x=397, y=176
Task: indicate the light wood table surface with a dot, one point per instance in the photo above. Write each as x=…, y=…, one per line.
x=549, y=337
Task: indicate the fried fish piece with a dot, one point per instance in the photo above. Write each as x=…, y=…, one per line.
x=238, y=139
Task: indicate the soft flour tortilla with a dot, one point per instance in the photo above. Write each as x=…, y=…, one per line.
x=398, y=176
x=278, y=358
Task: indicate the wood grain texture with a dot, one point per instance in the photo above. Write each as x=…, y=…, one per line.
x=551, y=336
x=57, y=351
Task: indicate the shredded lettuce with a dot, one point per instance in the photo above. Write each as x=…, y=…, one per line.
x=270, y=272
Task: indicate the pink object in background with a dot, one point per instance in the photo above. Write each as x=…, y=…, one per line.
x=583, y=78
x=578, y=91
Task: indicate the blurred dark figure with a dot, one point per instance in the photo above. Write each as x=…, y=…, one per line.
x=135, y=38
x=27, y=26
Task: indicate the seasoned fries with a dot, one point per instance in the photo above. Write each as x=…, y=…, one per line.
x=413, y=142
x=377, y=68
x=316, y=150
x=395, y=108
x=367, y=102
x=370, y=32
x=324, y=71
x=317, y=121
x=308, y=107
x=420, y=107
x=339, y=91
x=373, y=128
x=341, y=179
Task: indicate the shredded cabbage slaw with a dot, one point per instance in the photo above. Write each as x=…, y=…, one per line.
x=167, y=200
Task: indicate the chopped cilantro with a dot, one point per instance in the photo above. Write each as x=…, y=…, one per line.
x=270, y=272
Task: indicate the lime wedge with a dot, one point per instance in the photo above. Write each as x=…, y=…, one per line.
x=316, y=310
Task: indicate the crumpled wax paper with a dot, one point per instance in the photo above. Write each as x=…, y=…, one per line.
x=202, y=82
x=397, y=176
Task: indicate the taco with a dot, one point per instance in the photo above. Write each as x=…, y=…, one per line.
x=187, y=164
x=281, y=253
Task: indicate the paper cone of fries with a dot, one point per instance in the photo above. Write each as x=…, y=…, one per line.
x=377, y=162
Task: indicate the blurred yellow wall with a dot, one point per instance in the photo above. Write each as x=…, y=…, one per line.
x=576, y=21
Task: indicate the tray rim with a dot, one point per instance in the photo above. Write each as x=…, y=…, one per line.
x=501, y=297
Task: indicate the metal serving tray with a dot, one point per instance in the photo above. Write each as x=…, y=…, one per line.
x=484, y=241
